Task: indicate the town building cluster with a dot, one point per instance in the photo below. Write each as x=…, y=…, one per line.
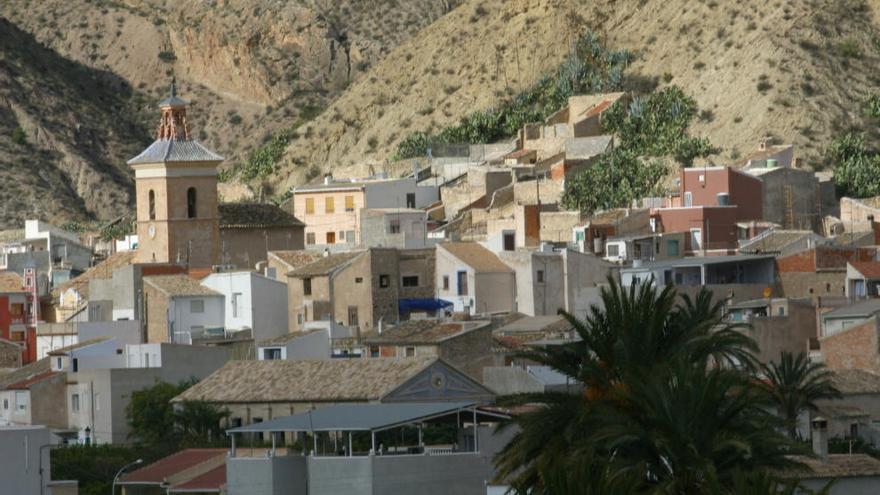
x=366, y=305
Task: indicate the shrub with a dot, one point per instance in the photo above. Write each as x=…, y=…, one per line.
x=167, y=56
x=613, y=181
x=18, y=136
x=849, y=48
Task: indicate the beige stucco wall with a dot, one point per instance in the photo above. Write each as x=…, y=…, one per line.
x=156, y=304
x=495, y=292
x=312, y=307
x=320, y=222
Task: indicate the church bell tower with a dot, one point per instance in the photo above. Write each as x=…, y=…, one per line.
x=176, y=190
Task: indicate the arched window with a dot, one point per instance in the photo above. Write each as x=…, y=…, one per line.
x=191, y=202
x=152, y=205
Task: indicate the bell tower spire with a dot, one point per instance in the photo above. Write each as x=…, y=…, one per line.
x=172, y=124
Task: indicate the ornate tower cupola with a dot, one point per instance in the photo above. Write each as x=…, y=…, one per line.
x=176, y=187
x=173, y=123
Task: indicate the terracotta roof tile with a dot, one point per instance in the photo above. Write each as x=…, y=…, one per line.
x=254, y=215
x=173, y=464
x=305, y=381
x=25, y=373
x=210, y=481
x=835, y=466
x=11, y=282
x=179, y=285
x=325, y=265
x=477, y=257
x=870, y=269
x=26, y=383
x=424, y=332
x=296, y=258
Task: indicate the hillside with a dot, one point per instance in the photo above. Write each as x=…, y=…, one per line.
x=797, y=71
x=249, y=67
x=65, y=133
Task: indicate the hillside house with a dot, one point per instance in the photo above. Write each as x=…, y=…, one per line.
x=179, y=309
x=280, y=263
x=474, y=279
x=776, y=324
x=862, y=279
x=401, y=228
x=332, y=210
x=254, y=303
x=819, y=272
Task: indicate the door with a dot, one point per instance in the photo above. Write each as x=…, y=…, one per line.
x=510, y=241
x=331, y=237
x=696, y=239
x=352, y=316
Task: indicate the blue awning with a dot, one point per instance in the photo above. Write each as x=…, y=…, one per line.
x=422, y=304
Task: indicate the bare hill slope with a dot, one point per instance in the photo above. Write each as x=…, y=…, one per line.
x=798, y=71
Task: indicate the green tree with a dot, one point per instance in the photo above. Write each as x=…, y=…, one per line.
x=856, y=170
x=667, y=400
x=794, y=385
x=615, y=180
x=155, y=421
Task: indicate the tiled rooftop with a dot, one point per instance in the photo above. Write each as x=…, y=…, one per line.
x=325, y=265
x=477, y=257
x=102, y=270
x=175, y=150
x=424, y=332
x=179, y=285
x=166, y=467
x=295, y=258
x=856, y=381
x=254, y=215
x=835, y=466
x=305, y=381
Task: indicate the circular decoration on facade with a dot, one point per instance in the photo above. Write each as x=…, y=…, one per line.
x=438, y=380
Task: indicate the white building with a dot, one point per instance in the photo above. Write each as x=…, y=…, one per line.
x=252, y=302
x=25, y=454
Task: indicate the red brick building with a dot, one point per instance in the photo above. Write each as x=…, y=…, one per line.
x=15, y=314
x=819, y=272
x=712, y=200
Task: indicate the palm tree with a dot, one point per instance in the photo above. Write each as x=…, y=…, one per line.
x=656, y=405
x=794, y=385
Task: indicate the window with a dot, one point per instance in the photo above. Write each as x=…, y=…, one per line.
x=540, y=276
x=16, y=309
x=328, y=205
x=299, y=319
x=75, y=364
x=612, y=250
x=510, y=241
x=696, y=239
x=352, y=316
x=688, y=199
x=349, y=203
x=827, y=287
x=197, y=306
x=445, y=282
x=310, y=238
x=672, y=247
x=6, y=404
x=271, y=354
x=310, y=206
x=462, y=283
x=384, y=281
x=74, y=402
x=21, y=401
x=152, y=199
x=374, y=351
x=410, y=281
x=781, y=311
x=58, y=363
x=330, y=237
x=349, y=236
x=410, y=352
x=394, y=227
x=579, y=236
x=410, y=200
x=146, y=360
x=358, y=280
x=307, y=287
x=236, y=299
x=191, y=202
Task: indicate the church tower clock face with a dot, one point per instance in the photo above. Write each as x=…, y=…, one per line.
x=151, y=230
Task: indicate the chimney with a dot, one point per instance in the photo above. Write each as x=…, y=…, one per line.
x=381, y=325
x=328, y=179
x=762, y=146
x=819, y=427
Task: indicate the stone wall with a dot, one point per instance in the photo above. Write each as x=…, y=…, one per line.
x=156, y=304
x=244, y=248
x=470, y=353
x=853, y=348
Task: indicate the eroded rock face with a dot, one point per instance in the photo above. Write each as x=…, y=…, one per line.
x=249, y=67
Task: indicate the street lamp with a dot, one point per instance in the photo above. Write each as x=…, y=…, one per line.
x=115, y=478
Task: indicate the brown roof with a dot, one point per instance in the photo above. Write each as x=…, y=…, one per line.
x=775, y=241
x=325, y=265
x=25, y=373
x=210, y=481
x=424, y=332
x=166, y=467
x=255, y=215
x=477, y=257
x=870, y=269
x=850, y=238
x=27, y=382
x=835, y=466
x=102, y=270
x=296, y=258
x=179, y=286
x=856, y=381
x=330, y=380
x=10, y=282
x=283, y=339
